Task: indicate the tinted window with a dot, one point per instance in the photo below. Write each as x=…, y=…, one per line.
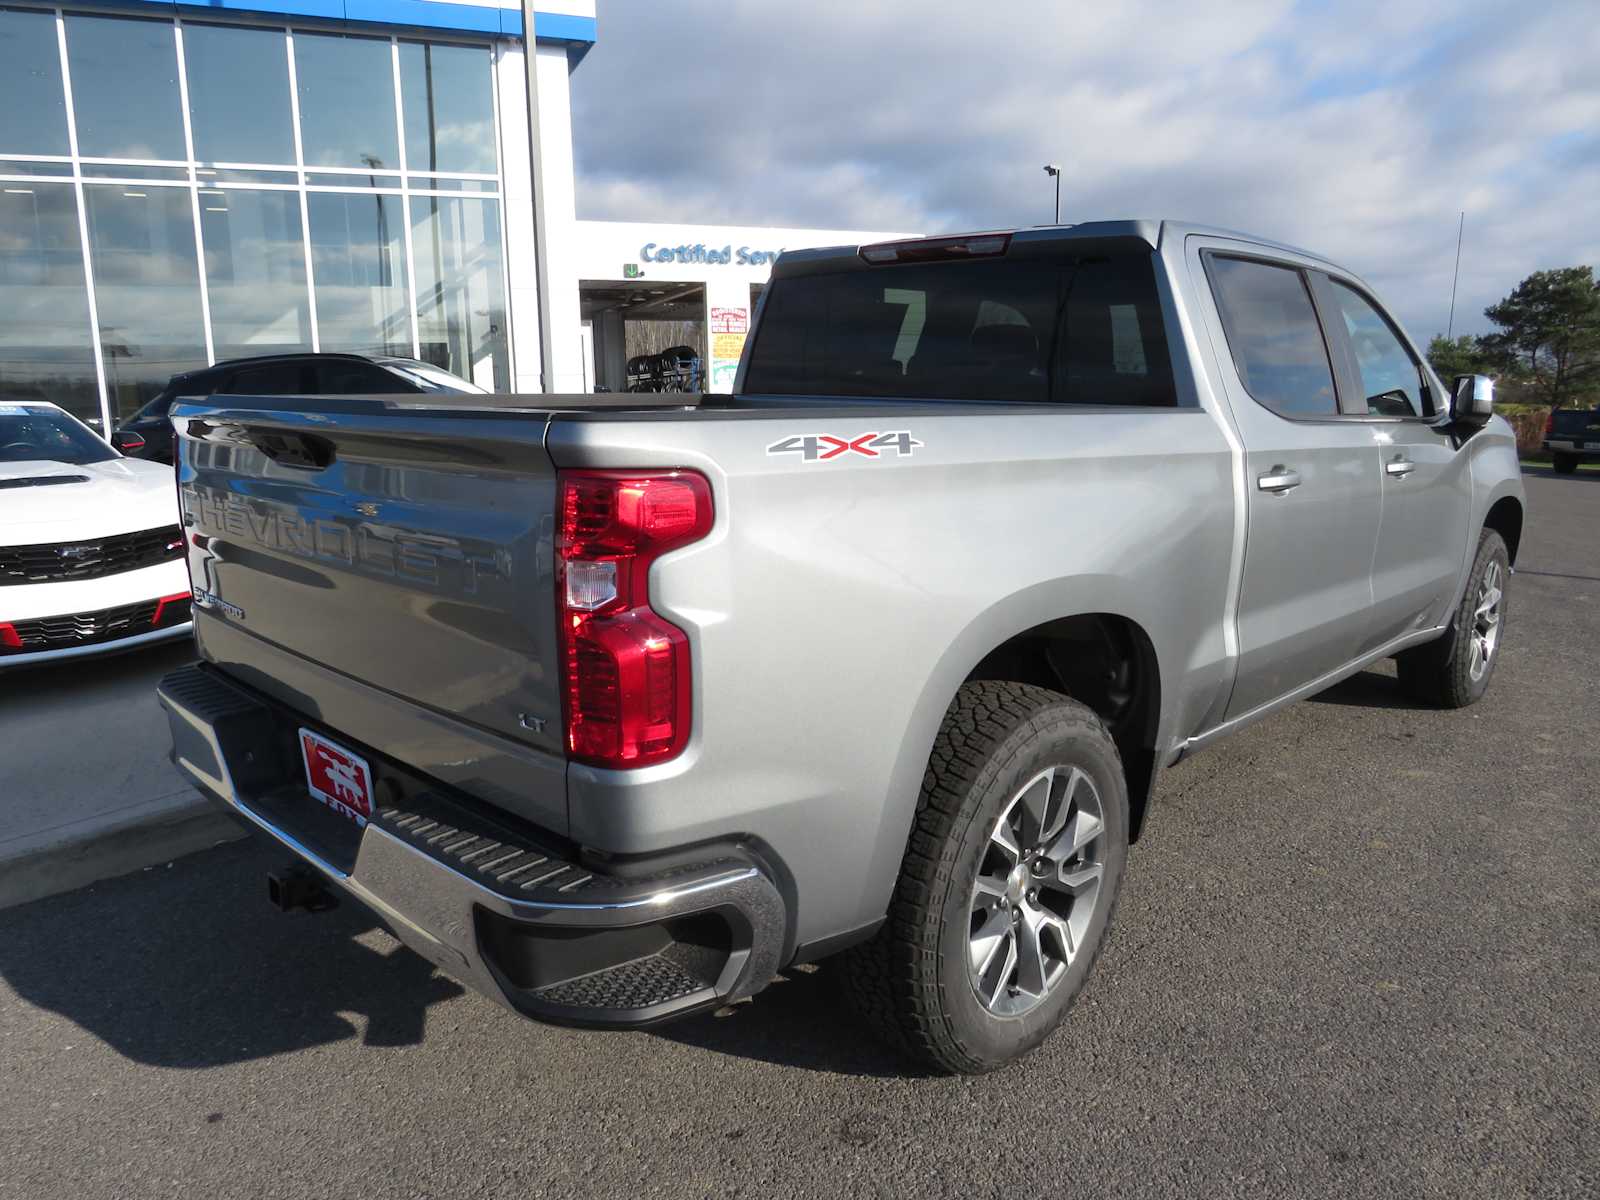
x=269, y=379
x=42, y=434
x=157, y=408
x=1086, y=332
x=1273, y=335
x=1391, y=379
x=426, y=377
x=239, y=94
x=336, y=378
x=125, y=87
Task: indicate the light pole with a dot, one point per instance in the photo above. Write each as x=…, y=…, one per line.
x=1052, y=170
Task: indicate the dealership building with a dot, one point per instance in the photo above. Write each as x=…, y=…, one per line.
x=182, y=184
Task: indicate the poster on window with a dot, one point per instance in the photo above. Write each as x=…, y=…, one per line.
x=730, y=320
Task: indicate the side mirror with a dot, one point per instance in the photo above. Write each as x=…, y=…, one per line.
x=1471, y=399
x=127, y=441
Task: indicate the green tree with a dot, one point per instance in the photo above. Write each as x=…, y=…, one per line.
x=1549, y=335
x=1457, y=356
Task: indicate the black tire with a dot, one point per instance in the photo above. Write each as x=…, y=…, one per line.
x=1564, y=464
x=1440, y=672
x=912, y=980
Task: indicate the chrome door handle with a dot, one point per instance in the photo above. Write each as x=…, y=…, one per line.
x=1400, y=467
x=1279, y=480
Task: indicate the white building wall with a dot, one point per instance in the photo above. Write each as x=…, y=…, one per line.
x=601, y=250
x=567, y=351
x=516, y=174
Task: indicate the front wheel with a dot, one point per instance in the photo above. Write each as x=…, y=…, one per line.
x=1454, y=671
x=1008, y=884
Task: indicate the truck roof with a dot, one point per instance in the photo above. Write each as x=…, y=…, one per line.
x=1128, y=231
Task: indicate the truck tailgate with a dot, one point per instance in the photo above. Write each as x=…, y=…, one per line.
x=381, y=546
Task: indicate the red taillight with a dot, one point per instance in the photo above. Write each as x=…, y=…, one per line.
x=1550, y=423
x=9, y=638
x=627, y=696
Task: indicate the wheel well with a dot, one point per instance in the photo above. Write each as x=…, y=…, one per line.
x=1106, y=662
x=1505, y=518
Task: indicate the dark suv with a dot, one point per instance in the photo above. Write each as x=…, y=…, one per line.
x=147, y=434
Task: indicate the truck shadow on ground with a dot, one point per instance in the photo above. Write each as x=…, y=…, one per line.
x=188, y=966
x=1368, y=689
x=801, y=1020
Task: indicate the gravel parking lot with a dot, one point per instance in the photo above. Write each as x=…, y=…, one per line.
x=1358, y=954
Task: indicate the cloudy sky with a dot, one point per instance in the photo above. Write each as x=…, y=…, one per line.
x=1359, y=129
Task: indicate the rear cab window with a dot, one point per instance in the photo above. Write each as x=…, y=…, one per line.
x=1065, y=330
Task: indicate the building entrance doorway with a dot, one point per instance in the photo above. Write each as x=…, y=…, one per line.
x=648, y=335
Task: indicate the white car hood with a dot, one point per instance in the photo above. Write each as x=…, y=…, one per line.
x=122, y=495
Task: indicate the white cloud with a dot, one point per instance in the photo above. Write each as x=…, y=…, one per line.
x=1359, y=129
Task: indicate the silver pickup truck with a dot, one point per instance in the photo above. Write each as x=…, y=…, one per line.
x=613, y=707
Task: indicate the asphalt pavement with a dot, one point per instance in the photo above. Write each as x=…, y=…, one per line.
x=1358, y=955
x=86, y=791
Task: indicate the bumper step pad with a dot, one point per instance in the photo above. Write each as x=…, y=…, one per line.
x=508, y=861
x=627, y=987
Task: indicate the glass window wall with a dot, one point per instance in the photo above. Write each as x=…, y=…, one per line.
x=255, y=272
x=45, y=351
x=346, y=87
x=33, y=106
x=461, y=309
x=358, y=257
x=447, y=97
x=146, y=288
x=299, y=243
x=239, y=94
x=125, y=87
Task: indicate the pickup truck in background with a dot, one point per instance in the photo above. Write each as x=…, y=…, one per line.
x=1572, y=436
x=614, y=706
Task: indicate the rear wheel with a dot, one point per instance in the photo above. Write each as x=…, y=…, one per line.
x=1454, y=671
x=1008, y=883
x=1565, y=464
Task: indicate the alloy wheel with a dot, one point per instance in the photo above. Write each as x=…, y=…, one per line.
x=1485, y=631
x=1037, y=889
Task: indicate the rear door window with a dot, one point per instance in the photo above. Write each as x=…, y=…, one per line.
x=1274, y=335
x=269, y=379
x=1391, y=379
x=156, y=409
x=336, y=377
x=1084, y=331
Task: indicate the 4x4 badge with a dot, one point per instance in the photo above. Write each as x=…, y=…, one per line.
x=821, y=447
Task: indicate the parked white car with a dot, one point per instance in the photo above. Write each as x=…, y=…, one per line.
x=91, y=548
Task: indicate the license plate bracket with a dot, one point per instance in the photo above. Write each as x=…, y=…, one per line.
x=339, y=778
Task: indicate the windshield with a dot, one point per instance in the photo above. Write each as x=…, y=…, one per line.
x=1032, y=330
x=30, y=434
x=431, y=379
